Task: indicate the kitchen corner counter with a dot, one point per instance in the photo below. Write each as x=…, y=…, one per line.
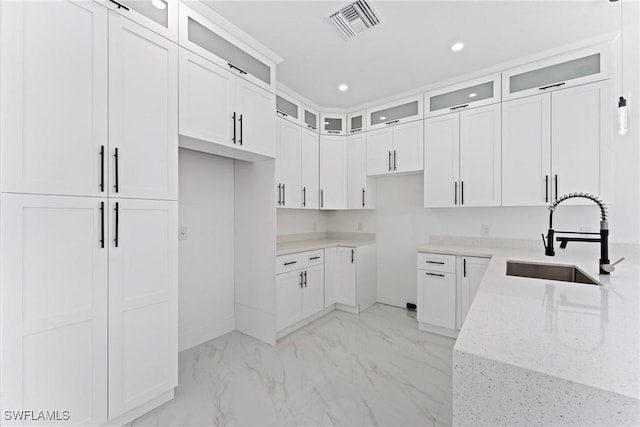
x=554, y=352
x=323, y=240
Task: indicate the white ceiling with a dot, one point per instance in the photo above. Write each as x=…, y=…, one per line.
x=410, y=49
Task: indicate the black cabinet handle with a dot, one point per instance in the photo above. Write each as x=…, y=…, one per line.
x=279, y=194
x=234, y=127
x=234, y=67
x=290, y=262
x=284, y=193
x=305, y=278
x=435, y=274
x=363, y=197
x=546, y=188
x=395, y=160
x=240, y=120
x=116, y=187
x=550, y=86
x=120, y=6
x=304, y=196
x=322, y=198
x=300, y=278
x=461, y=192
x=556, y=177
x=281, y=113
x=102, y=168
x=389, y=160
x=464, y=267
x=455, y=193
x=102, y=225
x=459, y=107
x=315, y=257
x=352, y=253
x=435, y=262
x=392, y=122
x=117, y=210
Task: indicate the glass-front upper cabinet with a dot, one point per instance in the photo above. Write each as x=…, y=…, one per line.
x=393, y=113
x=160, y=16
x=558, y=72
x=287, y=108
x=201, y=36
x=356, y=122
x=470, y=94
x=333, y=124
x=310, y=118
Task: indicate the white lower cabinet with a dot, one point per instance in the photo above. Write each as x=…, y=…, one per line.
x=353, y=282
x=446, y=287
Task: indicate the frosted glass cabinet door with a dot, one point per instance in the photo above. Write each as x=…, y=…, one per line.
x=53, y=112
x=143, y=301
x=442, y=161
x=160, y=16
x=143, y=112
x=53, y=296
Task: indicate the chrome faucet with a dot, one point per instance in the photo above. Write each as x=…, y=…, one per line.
x=605, y=266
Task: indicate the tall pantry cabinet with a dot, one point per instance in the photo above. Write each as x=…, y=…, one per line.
x=88, y=211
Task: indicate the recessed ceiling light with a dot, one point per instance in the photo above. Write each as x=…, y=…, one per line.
x=382, y=118
x=159, y=4
x=343, y=87
x=473, y=95
x=457, y=47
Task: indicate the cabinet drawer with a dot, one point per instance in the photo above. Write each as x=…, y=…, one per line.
x=437, y=262
x=312, y=258
x=290, y=262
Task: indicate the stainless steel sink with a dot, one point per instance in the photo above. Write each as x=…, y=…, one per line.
x=565, y=273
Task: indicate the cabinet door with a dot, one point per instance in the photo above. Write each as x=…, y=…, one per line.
x=330, y=276
x=333, y=124
x=480, y=139
x=408, y=147
x=143, y=301
x=442, y=161
x=437, y=298
x=53, y=97
x=287, y=162
x=207, y=100
x=579, y=138
x=356, y=172
x=526, y=151
x=256, y=125
x=143, y=112
x=346, y=284
x=380, y=152
x=473, y=270
x=160, y=16
x=288, y=299
x=309, y=169
x=333, y=172
x=53, y=296
x=313, y=290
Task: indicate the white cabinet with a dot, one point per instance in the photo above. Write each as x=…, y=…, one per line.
x=143, y=297
x=330, y=276
x=346, y=284
x=160, y=16
x=313, y=290
x=394, y=113
x=309, y=169
x=356, y=122
x=219, y=107
x=53, y=323
x=473, y=269
x=288, y=299
x=395, y=149
x=333, y=172
x=462, y=158
x=143, y=112
x=310, y=118
x=361, y=190
x=333, y=124
x=354, y=278
x=287, y=109
x=556, y=143
x=53, y=112
x=470, y=94
x=437, y=298
x=287, y=164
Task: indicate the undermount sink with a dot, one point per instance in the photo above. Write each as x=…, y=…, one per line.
x=564, y=273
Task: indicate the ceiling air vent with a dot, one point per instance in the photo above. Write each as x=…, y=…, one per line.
x=355, y=18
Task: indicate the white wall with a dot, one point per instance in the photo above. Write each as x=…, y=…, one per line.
x=297, y=221
x=206, y=258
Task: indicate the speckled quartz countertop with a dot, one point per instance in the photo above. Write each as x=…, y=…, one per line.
x=318, y=241
x=580, y=334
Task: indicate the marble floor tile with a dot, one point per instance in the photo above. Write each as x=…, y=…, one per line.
x=372, y=369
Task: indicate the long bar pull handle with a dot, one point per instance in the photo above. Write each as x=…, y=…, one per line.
x=240, y=120
x=461, y=193
x=284, y=193
x=281, y=113
x=435, y=262
x=352, y=255
x=117, y=210
x=102, y=225
x=455, y=193
x=363, y=197
x=300, y=277
x=464, y=267
x=304, y=196
x=556, y=179
x=234, y=127
x=233, y=67
x=435, y=274
x=290, y=262
x=279, y=194
x=116, y=186
x=550, y=86
x=389, y=161
x=102, y=168
x=395, y=160
x=120, y=6
x=546, y=188
x=305, y=278
x=322, y=198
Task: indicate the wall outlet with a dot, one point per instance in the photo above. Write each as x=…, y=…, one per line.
x=183, y=233
x=484, y=230
x=360, y=226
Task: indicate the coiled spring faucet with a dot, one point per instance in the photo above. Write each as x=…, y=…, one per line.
x=605, y=266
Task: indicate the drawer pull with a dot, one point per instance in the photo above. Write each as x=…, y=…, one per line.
x=435, y=262
x=290, y=262
x=315, y=257
x=435, y=274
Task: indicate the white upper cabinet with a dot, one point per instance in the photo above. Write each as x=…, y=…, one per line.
x=360, y=189
x=287, y=109
x=309, y=169
x=143, y=112
x=404, y=110
x=310, y=119
x=53, y=112
x=441, y=161
x=470, y=94
x=333, y=172
x=559, y=72
x=256, y=124
x=200, y=35
x=356, y=122
x=160, y=16
x=395, y=149
x=287, y=164
x=333, y=124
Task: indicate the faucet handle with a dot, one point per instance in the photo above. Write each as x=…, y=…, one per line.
x=611, y=267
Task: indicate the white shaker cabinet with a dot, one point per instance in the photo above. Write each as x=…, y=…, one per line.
x=288, y=301
x=346, y=288
x=360, y=189
x=256, y=125
x=313, y=290
x=143, y=112
x=53, y=323
x=287, y=164
x=442, y=161
x=143, y=301
x=355, y=283
x=395, y=149
x=333, y=172
x=473, y=269
x=53, y=113
x=309, y=168
x=437, y=290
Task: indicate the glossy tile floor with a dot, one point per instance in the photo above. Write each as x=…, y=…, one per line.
x=375, y=368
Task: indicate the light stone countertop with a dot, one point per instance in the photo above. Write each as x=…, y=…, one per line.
x=286, y=248
x=578, y=333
